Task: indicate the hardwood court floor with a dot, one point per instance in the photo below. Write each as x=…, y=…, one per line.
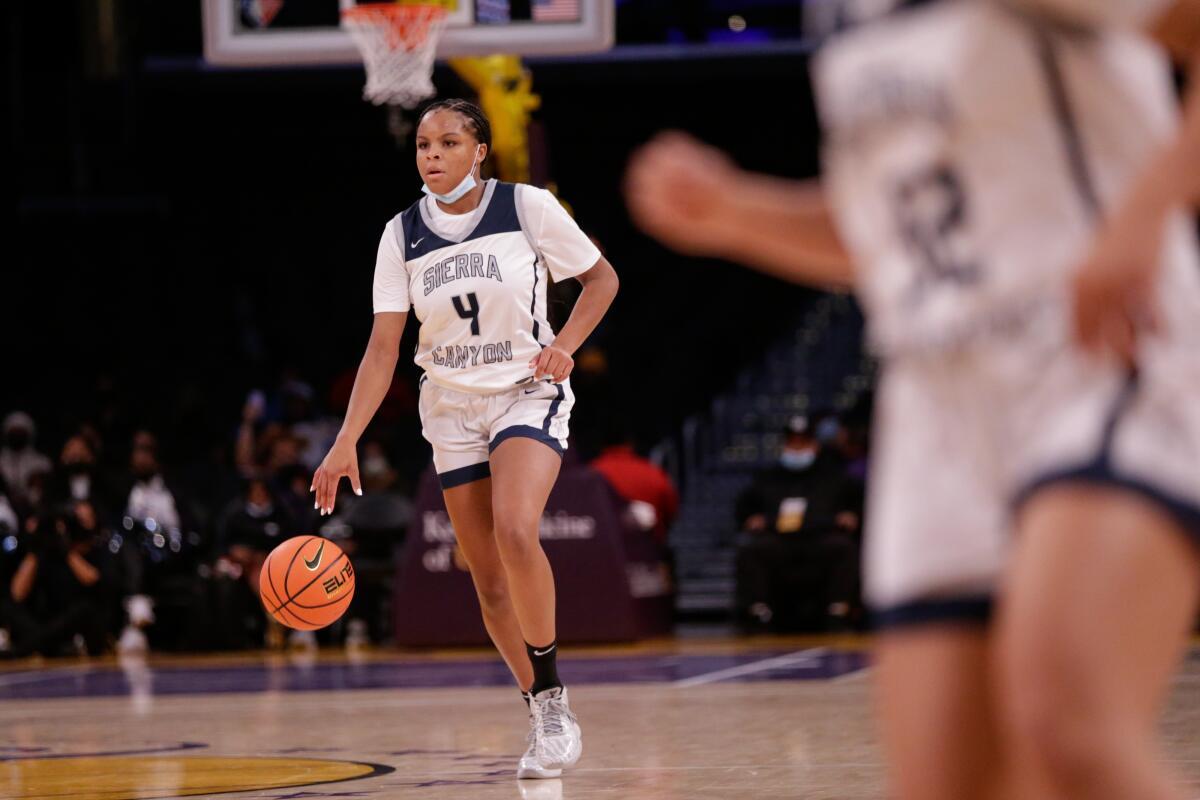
x=678, y=721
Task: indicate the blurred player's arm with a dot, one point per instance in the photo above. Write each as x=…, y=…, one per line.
x=371, y=385
x=694, y=199
x=1178, y=30
x=1173, y=178
x=1114, y=288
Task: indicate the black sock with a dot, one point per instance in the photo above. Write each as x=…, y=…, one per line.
x=525, y=696
x=545, y=667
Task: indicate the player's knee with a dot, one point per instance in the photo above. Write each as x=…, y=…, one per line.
x=516, y=538
x=492, y=591
x=1067, y=750
x=1053, y=727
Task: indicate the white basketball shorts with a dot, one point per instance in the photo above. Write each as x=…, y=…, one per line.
x=962, y=440
x=465, y=428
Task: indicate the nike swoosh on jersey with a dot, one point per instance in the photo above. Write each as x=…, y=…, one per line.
x=417, y=242
x=316, y=561
x=544, y=652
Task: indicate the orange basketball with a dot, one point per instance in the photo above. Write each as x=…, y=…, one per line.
x=306, y=583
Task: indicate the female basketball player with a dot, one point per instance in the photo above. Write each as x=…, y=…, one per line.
x=977, y=153
x=471, y=259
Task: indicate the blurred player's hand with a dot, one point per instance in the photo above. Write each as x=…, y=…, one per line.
x=676, y=189
x=1114, y=288
x=554, y=363
x=341, y=461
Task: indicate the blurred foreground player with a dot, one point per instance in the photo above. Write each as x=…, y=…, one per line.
x=1010, y=181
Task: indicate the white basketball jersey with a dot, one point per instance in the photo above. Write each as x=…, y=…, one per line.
x=481, y=297
x=971, y=153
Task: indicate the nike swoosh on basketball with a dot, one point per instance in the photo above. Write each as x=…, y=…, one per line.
x=316, y=562
x=544, y=652
x=417, y=242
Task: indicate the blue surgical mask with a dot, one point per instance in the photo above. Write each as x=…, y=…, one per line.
x=464, y=186
x=797, y=459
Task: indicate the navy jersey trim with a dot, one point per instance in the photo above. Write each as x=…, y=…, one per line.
x=1067, y=123
x=526, y=432
x=416, y=238
x=533, y=306
x=497, y=213
x=501, y=214
x=553, y=412
x=1102, y=473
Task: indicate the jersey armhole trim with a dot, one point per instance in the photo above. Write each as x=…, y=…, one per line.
x=520, y=190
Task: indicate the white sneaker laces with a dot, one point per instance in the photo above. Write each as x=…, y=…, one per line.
x=550, y=716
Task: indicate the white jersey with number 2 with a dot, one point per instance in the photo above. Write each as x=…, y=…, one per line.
x=972, y=149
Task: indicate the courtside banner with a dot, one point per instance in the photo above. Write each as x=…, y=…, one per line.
x=584, y=537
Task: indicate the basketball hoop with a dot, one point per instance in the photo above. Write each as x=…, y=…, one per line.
x=397, y=42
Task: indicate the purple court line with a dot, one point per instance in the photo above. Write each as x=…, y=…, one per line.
x=142, y=751
x=401, y=674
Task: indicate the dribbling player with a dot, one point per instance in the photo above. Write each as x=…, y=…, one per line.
x=1005, y=186
x=471, y=261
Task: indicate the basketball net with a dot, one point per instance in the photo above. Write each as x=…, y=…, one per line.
x=398, y=43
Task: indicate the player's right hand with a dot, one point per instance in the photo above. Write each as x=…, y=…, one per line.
x=1114, y=288
x=677, y=188
x=341, y=461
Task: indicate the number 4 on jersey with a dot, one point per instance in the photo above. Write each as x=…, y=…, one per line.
x=471, y=311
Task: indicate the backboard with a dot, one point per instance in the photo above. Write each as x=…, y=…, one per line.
x=263, y=33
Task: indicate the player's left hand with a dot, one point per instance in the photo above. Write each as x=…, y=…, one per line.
x=554, y=363
x=1114, y=288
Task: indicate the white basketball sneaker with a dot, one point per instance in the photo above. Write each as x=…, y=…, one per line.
x=555, y=740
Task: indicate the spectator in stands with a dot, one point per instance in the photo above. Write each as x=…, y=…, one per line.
x=150, y=497
x=284, y=452
x=653, y=500
x=78, y=478
x=252, y=526
x=799, y=543
x=378, y=522
x=152, y=511
x=9, y=523
x=853, y=442
x=385, y=505
x=55, y=600
x=23, y=468
x=289, y=486
x=313, y=434
x=246, y=450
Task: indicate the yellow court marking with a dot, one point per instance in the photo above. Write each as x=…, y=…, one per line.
x=143, y=778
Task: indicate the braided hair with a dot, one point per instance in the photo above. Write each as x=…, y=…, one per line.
x=476, y=121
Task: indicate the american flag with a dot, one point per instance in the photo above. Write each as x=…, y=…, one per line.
x=491, y=11
x=260, y=13
x=555, y=10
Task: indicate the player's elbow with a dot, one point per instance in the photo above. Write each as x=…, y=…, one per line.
x=614, y=283
x=602, y=277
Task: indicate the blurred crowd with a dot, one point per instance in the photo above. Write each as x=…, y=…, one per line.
x=102, y=546
x=105, y=544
